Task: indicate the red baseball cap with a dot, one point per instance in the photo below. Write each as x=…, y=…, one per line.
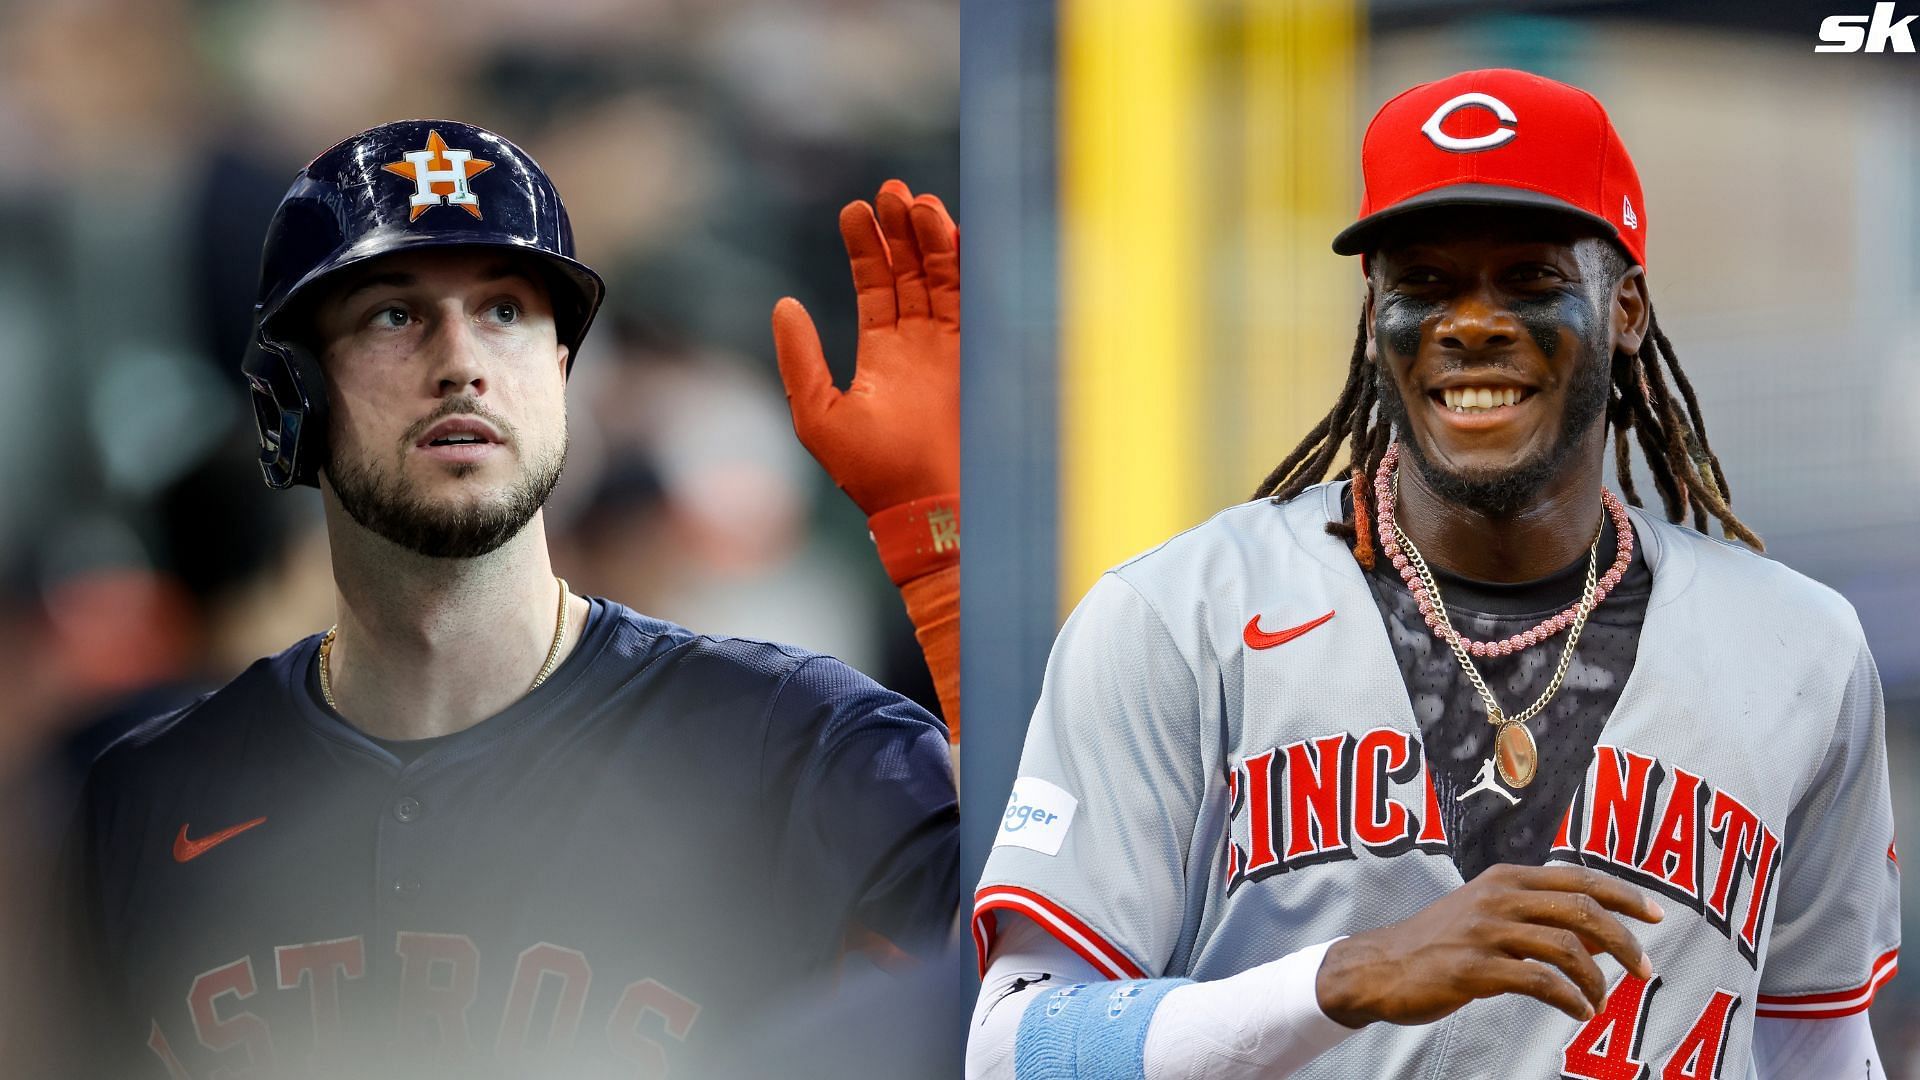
x=1497, y=138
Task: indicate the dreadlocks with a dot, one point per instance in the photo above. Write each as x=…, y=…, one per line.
x=1641, y=400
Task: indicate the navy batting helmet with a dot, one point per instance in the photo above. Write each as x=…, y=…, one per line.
x=398, y=187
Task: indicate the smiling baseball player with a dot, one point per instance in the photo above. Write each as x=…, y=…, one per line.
x=484, y=826
x=1460, y=766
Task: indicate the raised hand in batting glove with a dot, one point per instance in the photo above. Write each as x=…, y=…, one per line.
x=891, y=439
x=893, y=435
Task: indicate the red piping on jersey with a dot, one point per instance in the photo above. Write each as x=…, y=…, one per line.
x=1064, y=925
x=1833, y=1004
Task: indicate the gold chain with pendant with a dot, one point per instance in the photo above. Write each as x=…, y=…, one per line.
x=1514, y=750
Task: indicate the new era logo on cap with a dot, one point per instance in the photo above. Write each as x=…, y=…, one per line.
x=1497, y=138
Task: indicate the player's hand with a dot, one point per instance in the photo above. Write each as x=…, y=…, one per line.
x=1529, y=930
x=893, y=435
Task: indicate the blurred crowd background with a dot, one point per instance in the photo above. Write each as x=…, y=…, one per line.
x=704, y=148
x=1151, y=189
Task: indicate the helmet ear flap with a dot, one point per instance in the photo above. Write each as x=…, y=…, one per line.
x=289, y=394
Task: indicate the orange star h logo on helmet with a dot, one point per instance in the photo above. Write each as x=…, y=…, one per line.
x=440, y=176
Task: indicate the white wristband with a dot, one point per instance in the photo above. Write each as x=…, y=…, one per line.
x=1265, y=1022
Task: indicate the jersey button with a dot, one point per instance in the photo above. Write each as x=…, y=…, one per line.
x=407, y=809
x=406, y=888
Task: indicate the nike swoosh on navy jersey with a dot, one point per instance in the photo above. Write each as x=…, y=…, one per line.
x=185, y=850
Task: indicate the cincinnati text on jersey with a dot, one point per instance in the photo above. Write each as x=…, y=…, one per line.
x=1323, y=800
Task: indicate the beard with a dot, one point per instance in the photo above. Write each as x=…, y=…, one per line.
x=1507, y=491
x=392, y=507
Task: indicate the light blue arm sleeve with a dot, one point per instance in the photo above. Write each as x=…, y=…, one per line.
x=1089, y=1029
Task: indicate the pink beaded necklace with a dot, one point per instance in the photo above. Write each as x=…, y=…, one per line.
x=1383, y=491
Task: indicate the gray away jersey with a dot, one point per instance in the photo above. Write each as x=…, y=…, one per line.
x=1202, y=792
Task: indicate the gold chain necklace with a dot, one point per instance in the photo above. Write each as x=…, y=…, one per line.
x=546, y=669
x=1515, y=754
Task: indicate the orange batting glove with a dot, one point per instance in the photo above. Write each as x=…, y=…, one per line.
x=891, y=439
x=893, y=436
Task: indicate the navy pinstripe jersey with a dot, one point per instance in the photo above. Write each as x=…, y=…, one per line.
x=672, y=835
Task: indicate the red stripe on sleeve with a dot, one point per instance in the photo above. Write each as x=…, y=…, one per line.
x=1069, y=929
x=1834, y=1003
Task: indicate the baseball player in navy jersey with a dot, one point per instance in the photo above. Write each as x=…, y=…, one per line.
x=482, y=826
x=1459, y=765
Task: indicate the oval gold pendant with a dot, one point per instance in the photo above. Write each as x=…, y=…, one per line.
x=1515, y=754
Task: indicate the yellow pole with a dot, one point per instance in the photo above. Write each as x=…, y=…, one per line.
x=1208, y=154
x=1133, y=219
x=1299, y=186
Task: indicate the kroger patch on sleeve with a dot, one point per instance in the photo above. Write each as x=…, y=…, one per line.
x=1037, y=816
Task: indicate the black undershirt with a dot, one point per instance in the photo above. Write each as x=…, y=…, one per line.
x=1485, y=828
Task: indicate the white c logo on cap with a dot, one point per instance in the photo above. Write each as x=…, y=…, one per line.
x=1479, y=142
